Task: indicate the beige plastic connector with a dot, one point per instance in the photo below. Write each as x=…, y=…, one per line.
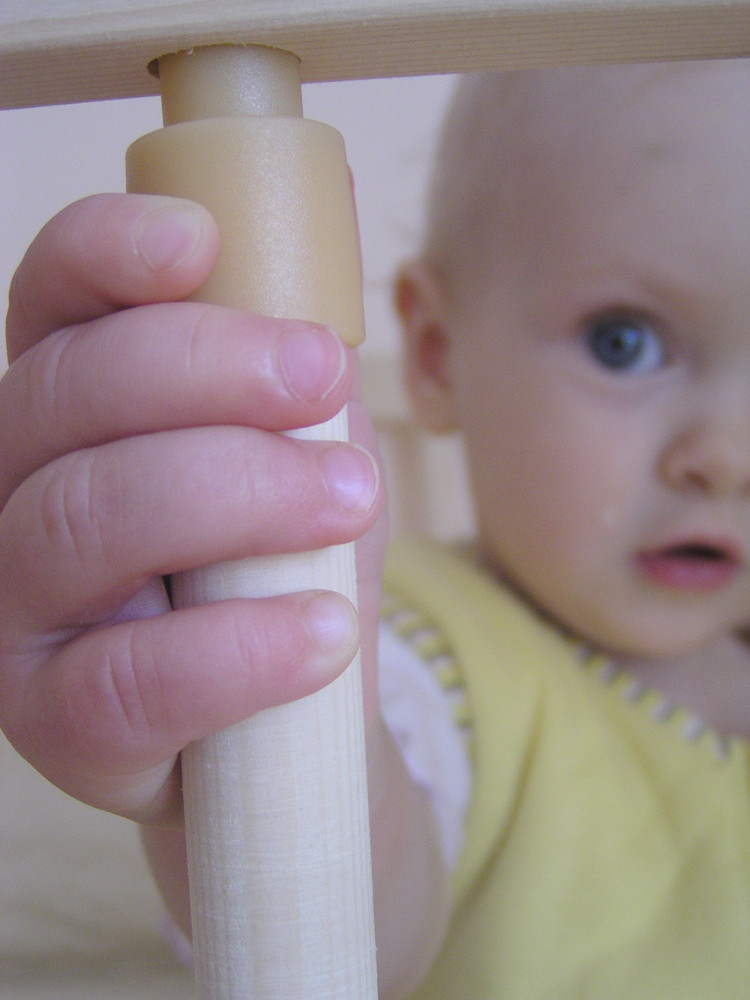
x=277, y=184
x=220, y=81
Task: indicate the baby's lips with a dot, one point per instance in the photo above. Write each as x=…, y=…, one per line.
x=691, y=565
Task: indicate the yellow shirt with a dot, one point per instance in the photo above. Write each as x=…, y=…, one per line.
x=607, y=850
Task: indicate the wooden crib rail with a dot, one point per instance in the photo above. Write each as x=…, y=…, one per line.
x=62, y=51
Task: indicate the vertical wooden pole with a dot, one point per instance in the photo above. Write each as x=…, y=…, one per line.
x=276, y=807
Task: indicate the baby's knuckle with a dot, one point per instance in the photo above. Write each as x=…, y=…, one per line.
x=198, y=339
x=64, y=508
x=265, y=644
x=80, y=501
x=69, y=229
x=131, y=689
x=105, y=716
x=18, y=321
x=245, y=456
x=50, y=378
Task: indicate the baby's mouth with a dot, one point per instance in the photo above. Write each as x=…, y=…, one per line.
x=691, y=565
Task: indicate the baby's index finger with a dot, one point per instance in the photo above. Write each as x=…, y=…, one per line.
x=105, y=253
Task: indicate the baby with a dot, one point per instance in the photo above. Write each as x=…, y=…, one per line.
x=579, y=313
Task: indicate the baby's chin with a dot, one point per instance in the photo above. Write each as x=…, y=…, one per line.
x=662, y=635
x=677, y=646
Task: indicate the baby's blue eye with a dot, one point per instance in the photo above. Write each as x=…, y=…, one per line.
x=625, y=344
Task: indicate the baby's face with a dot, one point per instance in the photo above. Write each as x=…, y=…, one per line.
x=602, y=370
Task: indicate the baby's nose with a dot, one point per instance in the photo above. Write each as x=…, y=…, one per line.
x=709, y=457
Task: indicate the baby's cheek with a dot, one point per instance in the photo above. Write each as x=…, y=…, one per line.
x=610, y=516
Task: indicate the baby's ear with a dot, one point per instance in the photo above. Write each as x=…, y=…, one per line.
x=421, y=307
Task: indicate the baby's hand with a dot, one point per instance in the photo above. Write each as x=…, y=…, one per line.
x=134, y=443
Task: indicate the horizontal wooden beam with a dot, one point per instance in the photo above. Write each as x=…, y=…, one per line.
x=63, y=51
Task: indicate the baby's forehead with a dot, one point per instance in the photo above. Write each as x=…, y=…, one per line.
x=521, y=145
x=567, y=127
x=505, y=133
x=519, y=113
x=503, y=129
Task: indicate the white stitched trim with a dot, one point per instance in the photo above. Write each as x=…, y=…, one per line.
x=420, y=714
x=693, y=728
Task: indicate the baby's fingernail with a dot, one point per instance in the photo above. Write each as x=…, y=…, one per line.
x=352, y=477
x=168, y=235
x=312, y=361
x=332, y=624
